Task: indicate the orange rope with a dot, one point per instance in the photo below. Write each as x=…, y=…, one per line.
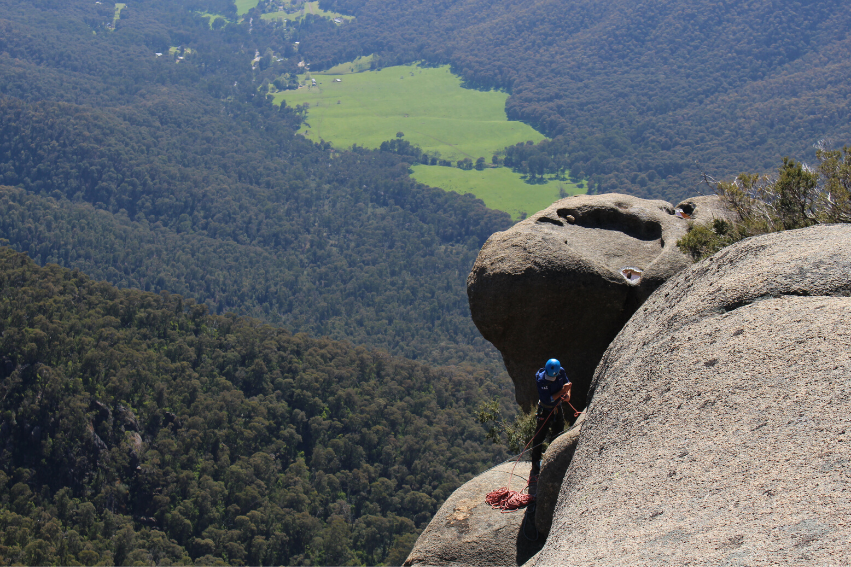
x=576, y=412
x=509, y=500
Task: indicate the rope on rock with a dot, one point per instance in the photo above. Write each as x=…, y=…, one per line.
x=576, y=412
x=508, y=500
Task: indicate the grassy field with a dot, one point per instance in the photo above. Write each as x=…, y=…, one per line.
x=433, y=111
x=117, y=16
x=308, y=8
x=211, y=18
x=427, y=104
x=357, y=66
x=500, y=188
x=243, y=6
x=173, y=50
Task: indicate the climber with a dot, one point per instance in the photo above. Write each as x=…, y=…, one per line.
x=553, y=389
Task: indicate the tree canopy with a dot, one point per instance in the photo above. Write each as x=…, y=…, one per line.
x=137, y=427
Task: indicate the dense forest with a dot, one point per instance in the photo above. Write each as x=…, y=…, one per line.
x=641, y=96
x=137, y=428
x=178, y=174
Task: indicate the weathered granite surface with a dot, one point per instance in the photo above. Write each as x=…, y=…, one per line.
x=554, y=465
x=719, y=423
x=467, y=531
x=556, y=285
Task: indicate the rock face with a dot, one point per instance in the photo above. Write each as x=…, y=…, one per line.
x=562, y=283
x=703, y=210
x=553, y=467
x=720, y=418
x=467, y=531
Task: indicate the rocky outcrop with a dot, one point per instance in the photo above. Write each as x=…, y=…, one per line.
x=467, y=531
x=719, y=423
x=553, y=467
x=563, y=282
x=704, y=209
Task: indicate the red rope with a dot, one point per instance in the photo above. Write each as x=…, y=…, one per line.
x=576, y=412
x=509, y=500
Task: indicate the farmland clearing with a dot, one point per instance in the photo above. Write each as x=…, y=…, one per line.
x=499, y=187
x=433, y=111
x=117, y=16
x=211, y=18
x=359, y=65
x=427, y=104
x=295, y=14
x=243, y=6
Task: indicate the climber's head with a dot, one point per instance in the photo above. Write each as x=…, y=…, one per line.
x=552, y=367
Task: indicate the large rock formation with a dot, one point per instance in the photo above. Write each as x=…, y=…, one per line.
x=563, y=282
x=467, y=531
x=719, y=423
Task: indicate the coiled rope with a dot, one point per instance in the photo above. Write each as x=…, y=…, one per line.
x=507, y=500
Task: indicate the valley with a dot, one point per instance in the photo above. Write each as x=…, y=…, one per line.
x=234, y=313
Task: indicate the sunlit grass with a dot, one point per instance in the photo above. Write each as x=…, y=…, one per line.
x=357, y=66
x=211, y=18
x=243, y=6
x=500, y=188
x=117, y=16
x=307, y=8
x=433, y=111
x=427, y=104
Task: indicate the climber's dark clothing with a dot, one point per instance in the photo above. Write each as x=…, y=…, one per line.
x=547, y=386
x=553, y=425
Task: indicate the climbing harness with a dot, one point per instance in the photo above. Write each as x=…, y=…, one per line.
x=507, y=500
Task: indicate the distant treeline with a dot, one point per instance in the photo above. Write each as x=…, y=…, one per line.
x=139, y=429
x=643, y=97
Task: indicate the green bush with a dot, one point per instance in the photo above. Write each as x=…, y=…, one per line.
x=797, y=197
x=515, y=433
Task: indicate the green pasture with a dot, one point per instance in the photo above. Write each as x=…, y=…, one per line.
x=433, y=111
x=500, y=188
x=357, y=66
x=117, y=16
x=308, y=8
x=211, y=18
x=427, y=104
x=243, y=6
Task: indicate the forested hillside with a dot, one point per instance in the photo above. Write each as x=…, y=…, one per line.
x=138, y=429
x=163, y=171
x=642, y=95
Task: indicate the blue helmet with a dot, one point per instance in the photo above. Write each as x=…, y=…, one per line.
x=552, y=367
